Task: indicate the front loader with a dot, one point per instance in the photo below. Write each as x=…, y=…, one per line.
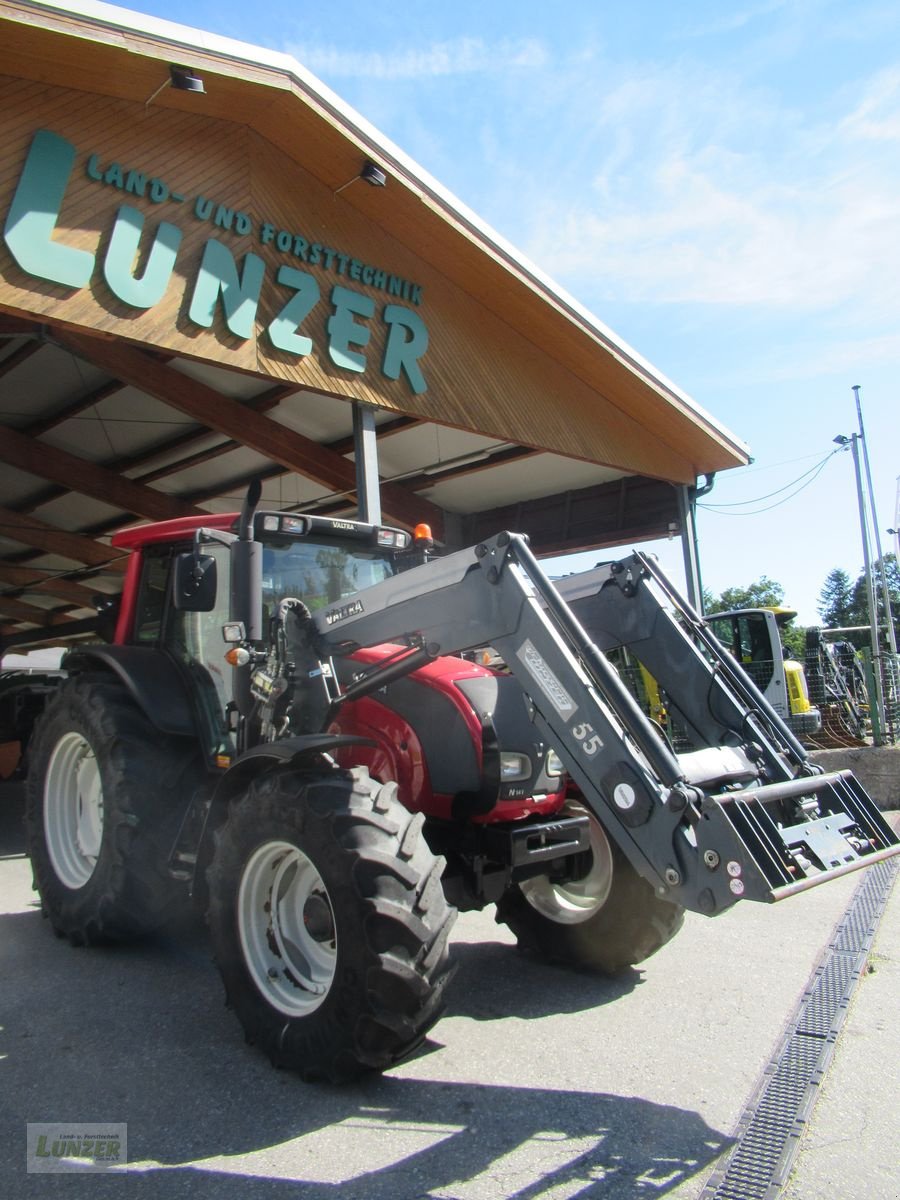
x=285, y=726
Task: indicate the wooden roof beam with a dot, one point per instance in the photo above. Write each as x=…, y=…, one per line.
x=78, y=475
x=73, y=409
x=20, y=355
x=31, y=531
x=28, y=580
x=31, y=613
x=260, y=433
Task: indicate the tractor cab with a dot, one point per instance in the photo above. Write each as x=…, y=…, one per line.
x=753, y=637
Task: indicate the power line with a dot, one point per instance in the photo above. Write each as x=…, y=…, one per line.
x=810, y=476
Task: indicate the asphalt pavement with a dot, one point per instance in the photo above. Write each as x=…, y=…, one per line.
x=539, y=1083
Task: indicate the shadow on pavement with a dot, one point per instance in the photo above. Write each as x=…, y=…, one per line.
x=139, y=1034
x=493, y=981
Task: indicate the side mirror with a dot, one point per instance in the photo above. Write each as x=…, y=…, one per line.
x=194, y=583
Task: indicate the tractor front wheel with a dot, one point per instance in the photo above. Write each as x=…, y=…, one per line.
x=607, y=920
x=329, y=922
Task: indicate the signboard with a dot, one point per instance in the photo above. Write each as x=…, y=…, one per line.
x=359, y=314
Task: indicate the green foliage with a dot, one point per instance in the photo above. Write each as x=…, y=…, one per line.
x=793, y=638
x=836, y=600
x=764, y=593
x=842, y=603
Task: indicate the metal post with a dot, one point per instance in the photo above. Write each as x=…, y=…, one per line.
x=365, y=453
x=885, y=591
x=688, y=517
x=870, y=588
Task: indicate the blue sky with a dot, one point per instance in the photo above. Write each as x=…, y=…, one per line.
x=719, y=183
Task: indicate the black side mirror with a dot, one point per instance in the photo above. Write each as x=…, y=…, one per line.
x=194, y=583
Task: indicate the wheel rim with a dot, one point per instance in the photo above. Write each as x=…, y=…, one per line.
x=73, y=810
x=580, y=899
x=287, y=929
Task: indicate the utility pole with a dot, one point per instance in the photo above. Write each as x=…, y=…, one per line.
x=885, y=591
x=853, y=441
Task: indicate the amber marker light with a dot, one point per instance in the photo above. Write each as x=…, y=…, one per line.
x=422, y=533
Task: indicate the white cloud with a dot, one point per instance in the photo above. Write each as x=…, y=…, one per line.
x=706, y=195
x=732, y=21
x=877, y=116
x=461, y=56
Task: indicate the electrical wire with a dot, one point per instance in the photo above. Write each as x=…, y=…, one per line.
x=810, y=476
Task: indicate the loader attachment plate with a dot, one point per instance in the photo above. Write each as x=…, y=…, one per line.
x=794, y=835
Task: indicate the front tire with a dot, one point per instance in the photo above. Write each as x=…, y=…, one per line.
x=104, y=797
x=607, y=921
x=329, y=922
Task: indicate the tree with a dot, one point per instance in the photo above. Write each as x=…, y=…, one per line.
x=764, y=593
x=842, y=603
x=861, y=600
x=836, y=600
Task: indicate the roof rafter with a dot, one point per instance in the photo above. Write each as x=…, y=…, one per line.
x=78, y=475
x=31, y=531
x=252, y=429
x=29, y=581
x=31, y=613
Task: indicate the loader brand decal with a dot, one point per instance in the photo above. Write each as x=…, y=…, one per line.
x=57, y=1148
x=346, y=610
x=546, y=680
x=221, y=282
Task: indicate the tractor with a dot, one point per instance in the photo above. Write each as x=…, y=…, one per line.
x=289, y=726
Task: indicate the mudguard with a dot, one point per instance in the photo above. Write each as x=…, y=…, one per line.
x=152, y=679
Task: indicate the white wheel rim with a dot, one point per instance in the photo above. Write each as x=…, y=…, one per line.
x=286, y=928
x=73, y=810
x=579, y=900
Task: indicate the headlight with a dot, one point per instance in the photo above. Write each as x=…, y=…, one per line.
x=553, y=764
x=514, y=767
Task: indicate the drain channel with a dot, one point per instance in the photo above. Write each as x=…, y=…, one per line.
x=770, y=1129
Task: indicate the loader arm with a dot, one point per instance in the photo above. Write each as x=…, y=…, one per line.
x=745, y=815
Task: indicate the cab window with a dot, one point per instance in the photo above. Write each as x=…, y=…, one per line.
x=152, y=596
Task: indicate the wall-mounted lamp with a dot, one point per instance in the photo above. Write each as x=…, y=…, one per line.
x=372, y=175
x=182, y=79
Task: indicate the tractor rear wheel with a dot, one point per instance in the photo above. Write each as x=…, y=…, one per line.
x=329, y=922
x=608, y=920
x=104, y=798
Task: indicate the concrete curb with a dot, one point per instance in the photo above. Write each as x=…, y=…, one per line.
x=876, y=767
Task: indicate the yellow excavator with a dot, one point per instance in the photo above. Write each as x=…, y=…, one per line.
x=753, y=636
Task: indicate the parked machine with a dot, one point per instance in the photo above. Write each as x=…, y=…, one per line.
x=837, y=684
x=283, y=728
x=753, y=635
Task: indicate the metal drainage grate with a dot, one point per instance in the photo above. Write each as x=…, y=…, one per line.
x=769, y=1132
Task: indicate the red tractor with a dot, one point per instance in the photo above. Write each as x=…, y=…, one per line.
x=281, y=726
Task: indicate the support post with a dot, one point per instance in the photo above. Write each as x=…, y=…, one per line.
x=885, y=591
x=365, y=455
x=870, y=588
x=688, y=517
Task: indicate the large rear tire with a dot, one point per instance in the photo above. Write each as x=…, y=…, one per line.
x=329, y=922
x=104, y=797
x=607, y=921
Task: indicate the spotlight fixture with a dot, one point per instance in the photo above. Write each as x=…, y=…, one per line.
x=182, y=79
x=370, y=173
x=373, y=175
